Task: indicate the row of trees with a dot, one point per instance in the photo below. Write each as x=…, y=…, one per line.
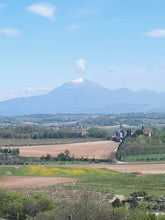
x=142, y=144
x=11, y=157
x=9, y=151
x=66, y=156
x=36, y=132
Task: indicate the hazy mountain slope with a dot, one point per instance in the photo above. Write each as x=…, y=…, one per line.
x=82, y=96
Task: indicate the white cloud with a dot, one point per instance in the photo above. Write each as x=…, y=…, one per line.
x=156, y=33
x=80, y=65
x=78, y=81
x=44, y=9
x=11, y=32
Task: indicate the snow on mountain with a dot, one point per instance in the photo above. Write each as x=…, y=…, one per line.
x=83, y=96
x=77, y=81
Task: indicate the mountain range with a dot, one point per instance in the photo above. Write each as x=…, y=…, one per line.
x=83, y=96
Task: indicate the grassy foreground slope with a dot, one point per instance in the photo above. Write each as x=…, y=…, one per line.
x=100, y=180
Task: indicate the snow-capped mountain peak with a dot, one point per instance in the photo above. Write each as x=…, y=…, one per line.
x=77, y=81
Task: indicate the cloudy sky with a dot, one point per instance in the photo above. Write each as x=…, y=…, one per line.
x=119, y=44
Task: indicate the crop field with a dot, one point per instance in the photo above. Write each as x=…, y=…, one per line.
x=147, y=157
x=127, y=168
x=90, y=179
x=11, y=142
x=24, y=182
x=55, y=171
x=140, y=168
x=97, y=150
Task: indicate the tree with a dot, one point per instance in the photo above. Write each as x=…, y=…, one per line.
x=117, y=203
x=61, y=157
x=37, y=203
x=48, y=157
x=67, y=154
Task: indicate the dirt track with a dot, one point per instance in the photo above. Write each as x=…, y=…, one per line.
x=15, y=182
x=126, y=168
x=12, y=182
x=98, y=150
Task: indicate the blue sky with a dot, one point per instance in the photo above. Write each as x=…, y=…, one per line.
x=116, y=43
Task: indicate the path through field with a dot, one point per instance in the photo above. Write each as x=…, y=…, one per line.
x=98, y=150
x=15, y=182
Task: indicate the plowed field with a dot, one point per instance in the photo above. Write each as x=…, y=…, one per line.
x=15, y=182
x=98, y=150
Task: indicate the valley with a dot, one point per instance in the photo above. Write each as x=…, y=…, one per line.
x=70, y=159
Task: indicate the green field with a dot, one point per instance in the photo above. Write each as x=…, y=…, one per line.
x=147, y=157
x=98, y=180
x=7, y=142
x=143, y=147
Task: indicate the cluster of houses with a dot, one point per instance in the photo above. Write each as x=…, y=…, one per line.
x=122, y=133
x=161, y=199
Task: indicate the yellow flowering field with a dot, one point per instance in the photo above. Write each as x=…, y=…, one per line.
x=53, y=171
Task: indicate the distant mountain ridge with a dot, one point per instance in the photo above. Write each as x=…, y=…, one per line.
x=83, y=96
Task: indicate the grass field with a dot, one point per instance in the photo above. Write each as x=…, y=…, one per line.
x=9, y=142
x=90, y=179
x=147, y=157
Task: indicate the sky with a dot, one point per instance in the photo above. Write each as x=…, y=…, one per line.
x=116, y=43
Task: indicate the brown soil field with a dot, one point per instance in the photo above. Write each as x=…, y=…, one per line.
x=18, y=182
x=129, y=168
x=140, y=168
x=98, y=150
